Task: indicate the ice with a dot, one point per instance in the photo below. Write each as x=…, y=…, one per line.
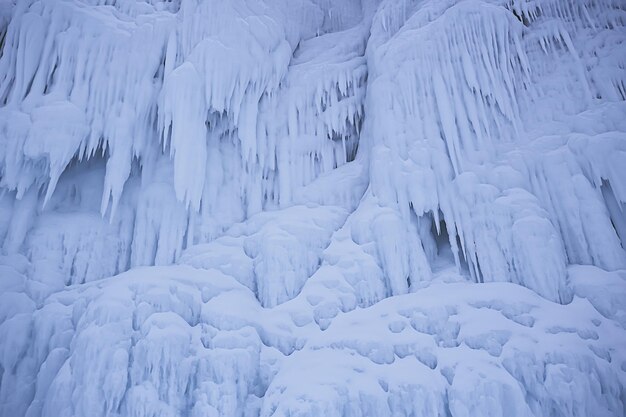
x=312, y=207
x=179, y=338
x=290, y=241
x=459, y=357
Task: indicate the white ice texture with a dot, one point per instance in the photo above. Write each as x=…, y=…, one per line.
x=298, y=208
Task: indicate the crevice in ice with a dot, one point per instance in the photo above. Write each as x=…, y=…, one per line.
x=3, y=36
x=442, y=249
x=442, y=240
x=523, y=18
x=617, y=211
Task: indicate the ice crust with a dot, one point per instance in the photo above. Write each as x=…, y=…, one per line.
x=312, y=207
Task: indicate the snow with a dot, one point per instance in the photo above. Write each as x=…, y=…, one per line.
x=312, y=207
x=178, y=338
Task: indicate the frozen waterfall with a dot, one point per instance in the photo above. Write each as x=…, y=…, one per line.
x=300, y=208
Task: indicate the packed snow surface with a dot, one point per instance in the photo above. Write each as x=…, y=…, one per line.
x=297, y=208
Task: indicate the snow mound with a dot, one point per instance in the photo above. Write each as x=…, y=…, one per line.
x=177, y=340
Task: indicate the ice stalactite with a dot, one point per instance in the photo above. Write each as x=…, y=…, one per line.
x=186, y=118
x=457, y=121
x=322, y=100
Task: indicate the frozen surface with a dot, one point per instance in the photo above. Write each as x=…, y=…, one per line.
x=184, y=341
x=312, y=208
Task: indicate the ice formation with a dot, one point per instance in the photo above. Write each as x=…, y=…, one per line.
x=312, y=207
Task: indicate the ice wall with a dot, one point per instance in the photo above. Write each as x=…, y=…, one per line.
x=290, y=171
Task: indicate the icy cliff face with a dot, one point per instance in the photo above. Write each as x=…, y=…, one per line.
x=342, y=208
